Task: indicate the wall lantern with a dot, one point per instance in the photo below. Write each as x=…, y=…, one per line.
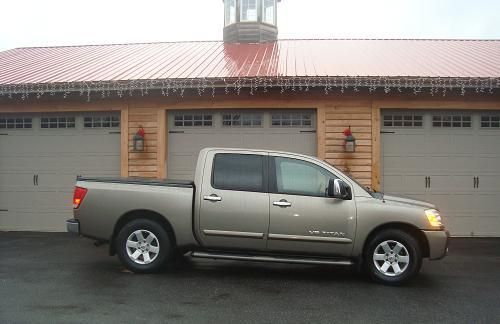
x=139, y=140
x=349, y=141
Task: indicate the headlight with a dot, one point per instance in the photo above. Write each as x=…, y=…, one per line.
x=433, y=217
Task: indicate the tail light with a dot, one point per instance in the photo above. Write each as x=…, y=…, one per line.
x=78, y=196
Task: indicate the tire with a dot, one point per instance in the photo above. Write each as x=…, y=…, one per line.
x=143, y=246
x=393, y=257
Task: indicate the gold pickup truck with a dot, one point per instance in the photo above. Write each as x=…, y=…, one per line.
x=262, y=206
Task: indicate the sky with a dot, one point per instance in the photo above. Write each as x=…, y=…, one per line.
x=25, y=23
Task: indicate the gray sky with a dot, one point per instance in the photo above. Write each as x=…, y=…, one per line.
x=65, y=22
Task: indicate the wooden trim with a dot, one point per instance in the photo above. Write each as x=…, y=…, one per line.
x=376, y=148
x=124, y=143
x=321, y=132
x=162, y=144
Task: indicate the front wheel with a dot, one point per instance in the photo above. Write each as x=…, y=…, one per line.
x=393, y=257
x=143, y=246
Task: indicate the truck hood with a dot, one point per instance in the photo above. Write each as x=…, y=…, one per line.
x=408, y=201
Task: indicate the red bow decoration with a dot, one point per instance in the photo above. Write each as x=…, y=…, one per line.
x=141, y=132
x=347, y=131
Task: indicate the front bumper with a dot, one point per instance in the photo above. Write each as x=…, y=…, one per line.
x=73, y=226
x=438, y=243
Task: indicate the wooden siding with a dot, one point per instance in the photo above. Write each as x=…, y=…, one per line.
x=359, y=118
x=144, y=164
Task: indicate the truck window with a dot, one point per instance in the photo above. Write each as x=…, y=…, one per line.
x=296, y=177
x=239, y=172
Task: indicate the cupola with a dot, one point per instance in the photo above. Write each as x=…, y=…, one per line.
x=250, y=21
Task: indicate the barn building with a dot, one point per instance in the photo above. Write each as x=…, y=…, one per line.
x=425, y=114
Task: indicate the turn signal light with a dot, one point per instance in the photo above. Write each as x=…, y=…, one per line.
x=78, y=196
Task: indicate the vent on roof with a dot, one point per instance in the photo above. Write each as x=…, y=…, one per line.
x=250, y=21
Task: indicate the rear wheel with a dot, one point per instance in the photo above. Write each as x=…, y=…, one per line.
x=393, y=257
x=143, y=246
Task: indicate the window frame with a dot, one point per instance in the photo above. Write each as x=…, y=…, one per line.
x=451, y=121
x=263, y=13
x=93, y=122
x=58, y=122
x=489, y=121
x=281, y=114
x=250, y=114
x=265, y=173
x=227, y=12
x=203, y=120
x=413, y=120
x=273, y=178
x=256, y=11
x=15, y=122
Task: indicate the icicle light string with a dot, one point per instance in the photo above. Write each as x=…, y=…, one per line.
x=330, y=85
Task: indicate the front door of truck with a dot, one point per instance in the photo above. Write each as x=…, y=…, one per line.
x=234, y=201
x=302, y=218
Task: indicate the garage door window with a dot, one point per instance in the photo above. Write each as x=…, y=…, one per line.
x=403, y=120
x=57, y=122
x=459, y=121
x=16, y=123
x=242, y=120
x=101, y=121
x=490, y=121
x=239, y=172
x=193, y=120
x=291, y=120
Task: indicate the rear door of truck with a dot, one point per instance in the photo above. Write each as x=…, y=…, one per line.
x=234, y=202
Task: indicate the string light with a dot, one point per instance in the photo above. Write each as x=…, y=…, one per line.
x=417, y=85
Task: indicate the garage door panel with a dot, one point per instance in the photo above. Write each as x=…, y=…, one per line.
x=57, y=156
x=487, y=226
x=453, y=183
x=450, y=143
x=404, y=164
x=453, y=157
x=415, y=144
x=412, y=184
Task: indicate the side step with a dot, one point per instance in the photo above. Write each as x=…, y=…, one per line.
x=265, y=258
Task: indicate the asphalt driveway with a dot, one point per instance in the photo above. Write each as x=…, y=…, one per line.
x=58, y=278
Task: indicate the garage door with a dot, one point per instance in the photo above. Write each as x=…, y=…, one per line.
x=40, y=157
x=449, y=158
x=189, y=132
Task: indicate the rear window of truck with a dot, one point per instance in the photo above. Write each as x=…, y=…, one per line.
x=238, y=172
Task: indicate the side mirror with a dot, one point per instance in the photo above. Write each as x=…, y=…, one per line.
x=338, y=189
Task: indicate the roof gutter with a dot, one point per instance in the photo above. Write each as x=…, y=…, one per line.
x=329, y=84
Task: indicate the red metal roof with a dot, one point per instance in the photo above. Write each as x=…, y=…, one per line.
x=283, y=58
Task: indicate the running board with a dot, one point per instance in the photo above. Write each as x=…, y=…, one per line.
x=262, y=258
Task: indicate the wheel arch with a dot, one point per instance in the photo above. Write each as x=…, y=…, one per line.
x=141, y=214
x=408, y=228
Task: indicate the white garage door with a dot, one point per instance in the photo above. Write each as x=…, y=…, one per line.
x=449, y=158
x=189, y=132
x=40, y=157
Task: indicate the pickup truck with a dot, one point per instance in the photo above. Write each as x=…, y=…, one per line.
x=258, y=205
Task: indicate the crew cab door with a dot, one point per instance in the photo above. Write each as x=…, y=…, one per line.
x=234, y=200
x=302, y=218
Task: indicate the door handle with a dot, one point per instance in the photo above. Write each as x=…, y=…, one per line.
x=429, y=181
x=477, y=182
x=213, y=198
x=36, y=179
x=282, y=203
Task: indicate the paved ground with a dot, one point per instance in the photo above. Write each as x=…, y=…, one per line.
x=56, y=278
